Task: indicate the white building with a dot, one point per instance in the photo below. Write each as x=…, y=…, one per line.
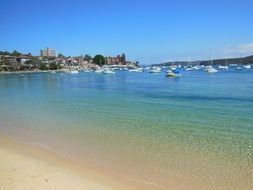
x=48, y=52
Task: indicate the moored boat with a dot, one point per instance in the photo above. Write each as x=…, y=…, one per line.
x=173, y=73
x=247, y=66
x=155, y=70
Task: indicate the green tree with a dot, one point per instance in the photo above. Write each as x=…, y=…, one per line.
x=60, y=55
x=53, y=66
x=16, y=53
x=43, y=66
x=99, y=60
x=87, y=57
x=123, y=58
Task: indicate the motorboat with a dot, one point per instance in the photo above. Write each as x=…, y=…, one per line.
x=211, y=70
x=189, y=69
x=173, y=73
x=155, y=70
x=238, y=68
x=223, y=67
x=247, y=66
x=98, y=71
x=109, y=71
x=137, y=70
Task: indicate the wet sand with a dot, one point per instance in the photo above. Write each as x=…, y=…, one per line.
x=24, y=167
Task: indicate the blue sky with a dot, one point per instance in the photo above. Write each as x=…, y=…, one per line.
x=150, y=31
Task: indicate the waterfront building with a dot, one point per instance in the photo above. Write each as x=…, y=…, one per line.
x=113, y=60
x=48, y=52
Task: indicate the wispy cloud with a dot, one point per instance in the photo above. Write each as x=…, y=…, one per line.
x=242, y=48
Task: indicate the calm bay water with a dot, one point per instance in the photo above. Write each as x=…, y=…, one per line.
x=197, y=127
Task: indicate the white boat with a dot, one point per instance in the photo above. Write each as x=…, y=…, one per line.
x=173, y=67
x=189, y=69
x=109, y=71
x=211, y=70
x=223, y=67
x=196, y=67
x=238, y=68
x=155, y=70
x=247, y=66
x=137, y=70
x=73, y=71
x=53, y=72
x=98, y=71
x=173, y=73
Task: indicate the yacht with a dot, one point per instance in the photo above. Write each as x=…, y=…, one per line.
x=247, y=66
x=109, y=71
x=155, y=70
x=211, y=70
x=137, y=70
x=223, y=67
x=238, y=68
x=98, y=71
x=189, y=68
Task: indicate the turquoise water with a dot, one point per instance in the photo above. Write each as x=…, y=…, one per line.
x=197, y=127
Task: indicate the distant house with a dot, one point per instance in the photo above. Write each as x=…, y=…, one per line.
x=8, y=59
x=79, y=61
x=22, y=59
x=114, y=60
x=61, y=60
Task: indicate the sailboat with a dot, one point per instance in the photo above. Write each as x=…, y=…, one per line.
x=224, y=67
x=189, y=68
x=211, y=69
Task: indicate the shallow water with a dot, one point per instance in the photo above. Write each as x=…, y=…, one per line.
x=148, y=127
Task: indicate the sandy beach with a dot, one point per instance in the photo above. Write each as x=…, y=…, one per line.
x=25, y=168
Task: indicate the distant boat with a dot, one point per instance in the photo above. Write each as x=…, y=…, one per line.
x=196, y=67
x=190, y=69
x=238, y=68
x=173, y=67
x=137, y=70
x=155, y=70
x=247, y=66
x=53, y=72
x=109, y=71
x=98, y=71
x=87, y=70
x=73, y=72
x=173, y=73
x=222, y=67
x=211, y=70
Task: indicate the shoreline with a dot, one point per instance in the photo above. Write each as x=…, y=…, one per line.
x=24, y=166
x=27, y=167
x=31, y=71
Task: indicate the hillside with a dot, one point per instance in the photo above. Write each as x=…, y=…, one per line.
x=243, y=60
